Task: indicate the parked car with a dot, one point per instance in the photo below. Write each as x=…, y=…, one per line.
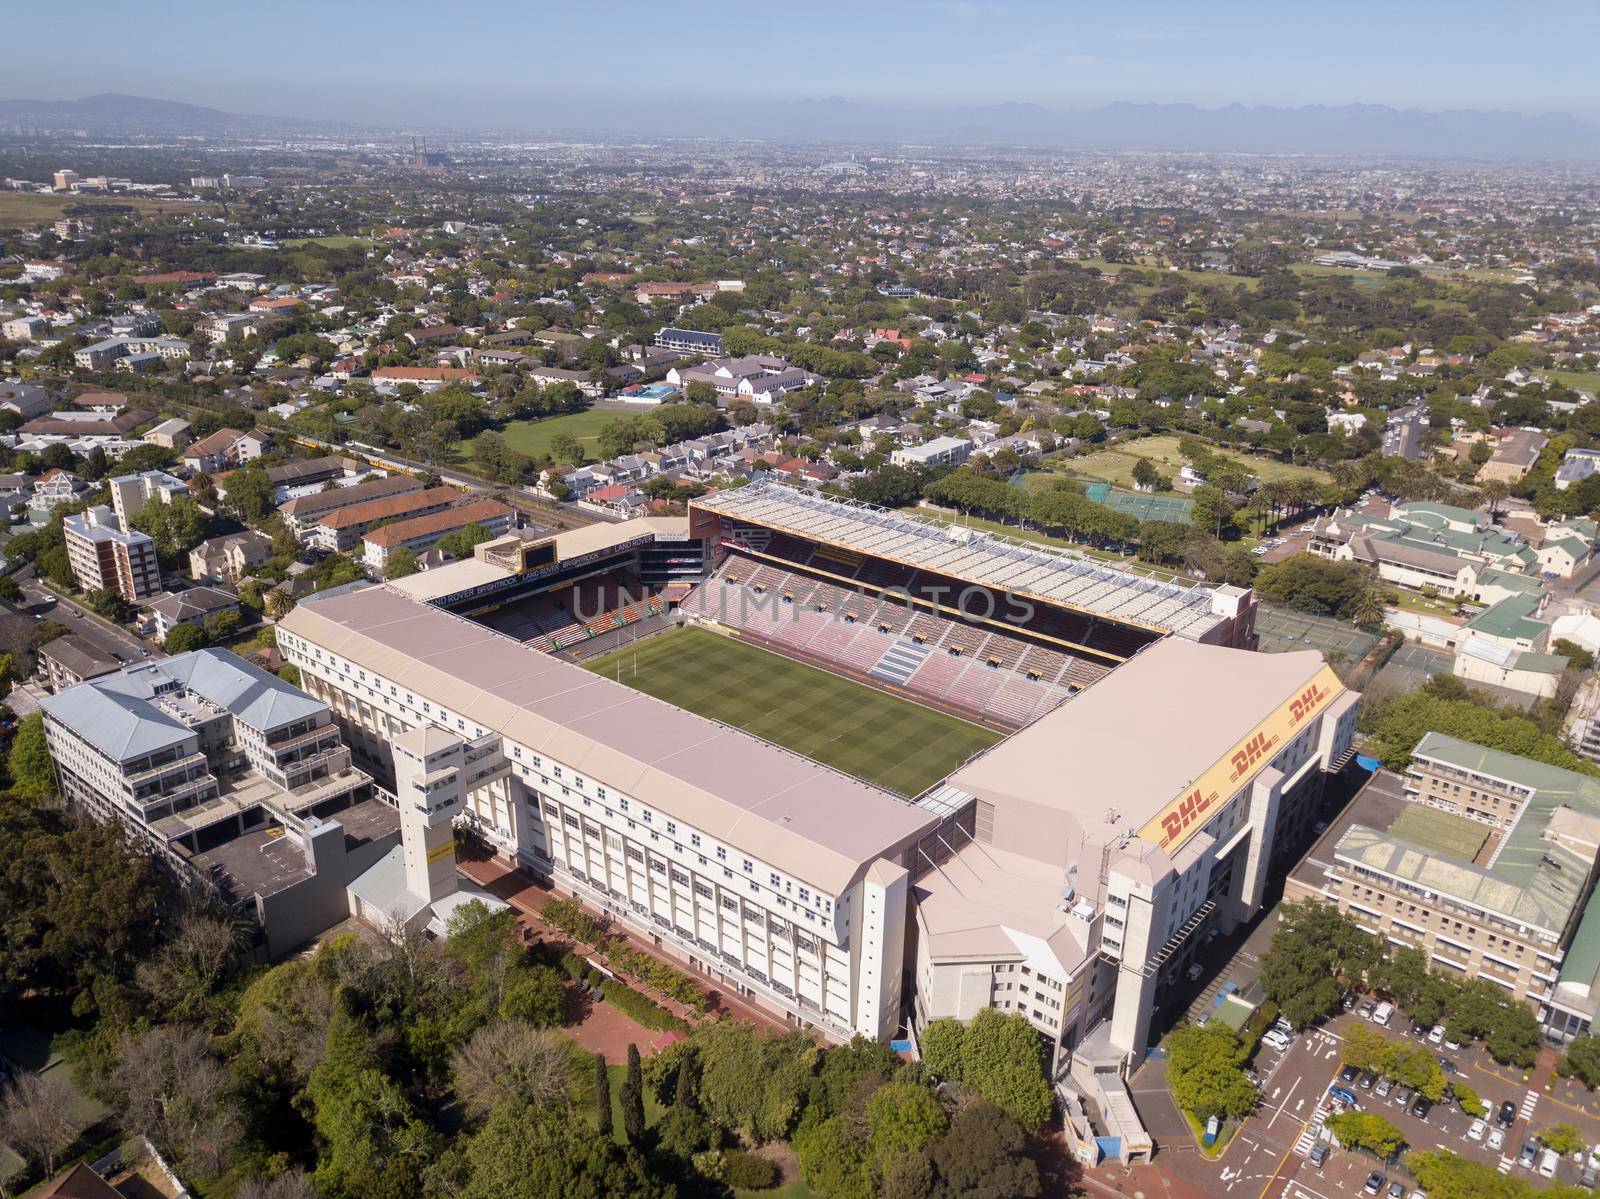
x=1277, y=1040
x=1350, y=998
x=1367, y=1079
x=1348, y=1075
x=1475, y=1133
x=1436, y=1035
x=1590, y=1177
x=1382, y=1012
x=1319, y=1155
x=1548, y=1161
x=1497, y=1138
x=1343, y=1095
x=1402, y=1098
x=1529, y=1154
x=1452, y=1046
x=1508, y=1114
x=1384, y=1086
x=1397, y=1190
x=1375, y=1182
x=1422, y=1107
x=1368, y=1006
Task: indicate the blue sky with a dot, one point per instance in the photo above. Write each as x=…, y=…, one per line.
x=495, y=62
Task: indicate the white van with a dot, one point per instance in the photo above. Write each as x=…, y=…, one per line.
x=1382, y=1013
x=1548, y=1160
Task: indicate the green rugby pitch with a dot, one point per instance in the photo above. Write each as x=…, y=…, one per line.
x=859, y=730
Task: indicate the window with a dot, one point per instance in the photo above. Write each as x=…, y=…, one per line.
x=722, y=854
x=694, y=839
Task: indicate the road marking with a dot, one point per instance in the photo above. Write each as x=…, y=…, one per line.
x=1529, y=1102
x=1505, y=1165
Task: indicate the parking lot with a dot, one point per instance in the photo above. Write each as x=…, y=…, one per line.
x=1309, y=1066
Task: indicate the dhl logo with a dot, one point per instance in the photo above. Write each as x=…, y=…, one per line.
x=1190, y=808
x=1251, y=752
x=1306, y=702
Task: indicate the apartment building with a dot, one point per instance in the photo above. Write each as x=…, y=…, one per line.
x=1486, y=863
x=941, y=451
x=777, y=878
x=104, y=556
x=342, y=530
x=422, y=533
x=233, y=778
x=130, y=493
x=302, y=512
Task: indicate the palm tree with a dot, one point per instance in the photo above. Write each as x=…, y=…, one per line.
x=1367, y=608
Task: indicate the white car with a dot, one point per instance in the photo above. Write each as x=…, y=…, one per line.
x=1497, y=1138
x=1475, y=1133
x=1277, y=1040
x=1436, y=1034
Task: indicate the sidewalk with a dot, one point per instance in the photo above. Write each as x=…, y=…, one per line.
x=525, y=895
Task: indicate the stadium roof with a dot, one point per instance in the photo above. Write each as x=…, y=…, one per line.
x=1059, y=576
x=1122, y=751
x=789, y=811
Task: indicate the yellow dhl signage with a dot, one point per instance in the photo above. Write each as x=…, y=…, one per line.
x=1191, y=810
x=440, y=851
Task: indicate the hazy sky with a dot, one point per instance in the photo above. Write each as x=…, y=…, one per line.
x=531, y=63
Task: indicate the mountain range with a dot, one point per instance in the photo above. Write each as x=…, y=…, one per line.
x=1351, y=129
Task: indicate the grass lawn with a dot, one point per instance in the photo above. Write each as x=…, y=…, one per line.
x=25, y=208
x=1587, y=380
x=1114, y=464
x=533, y=437
x=336, y=242
x=877, y=737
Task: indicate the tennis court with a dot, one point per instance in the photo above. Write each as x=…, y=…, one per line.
x=1283, y=630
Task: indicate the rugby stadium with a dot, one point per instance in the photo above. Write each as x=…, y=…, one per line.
x=860, y=768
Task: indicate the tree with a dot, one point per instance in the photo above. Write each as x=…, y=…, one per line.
x=1446, y=1175
x=459, y=543
x=1580, y=658
x=174, y=1091
x=1369, y=1131
x=1581, y=1061
x=222, y=625
x=370, y=1137
x=564, y=447
x=400, y=563
x=633, y=1098
x=903, y=1118
x=522, y=1153
x=1311, y=584
x=984, y=1156
x=753, y=1083
x=33, y=1118
x=82, y=906
x=1145, y=475
x=683, y=1088
x=176, y=527
x=602, y=1096
x=1563, y=1138
x=507, y=1061
x=33, y=772
x=1000, y=1060
x=1205, y=1071
x=250, y=492
x=1368, y=605
x=184, y=637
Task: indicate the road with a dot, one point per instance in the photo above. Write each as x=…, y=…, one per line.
x=112, y=638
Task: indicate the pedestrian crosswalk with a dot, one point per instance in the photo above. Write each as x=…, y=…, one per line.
x=1505, y=1165
x=1312, y=1133
x=1529, y=1102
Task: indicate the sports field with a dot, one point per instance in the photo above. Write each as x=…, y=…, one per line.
x=533, y=437
x=875, y=736
x=1114, y=464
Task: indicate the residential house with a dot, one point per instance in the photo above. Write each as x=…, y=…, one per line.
x=229, y=557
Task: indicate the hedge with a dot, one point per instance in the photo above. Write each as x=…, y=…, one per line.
x=664, y=978
x=641, y=1007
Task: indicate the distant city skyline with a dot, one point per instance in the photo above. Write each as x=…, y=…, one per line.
x=497, y=64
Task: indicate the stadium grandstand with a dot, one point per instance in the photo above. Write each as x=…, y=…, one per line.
x=557, y=592
x=998, y=629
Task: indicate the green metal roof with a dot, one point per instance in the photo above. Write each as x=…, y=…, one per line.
x=1582, y=962
x=1511, y=618
x=1510, y=581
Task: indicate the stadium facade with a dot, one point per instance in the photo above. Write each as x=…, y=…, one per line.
x=1155, y=775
